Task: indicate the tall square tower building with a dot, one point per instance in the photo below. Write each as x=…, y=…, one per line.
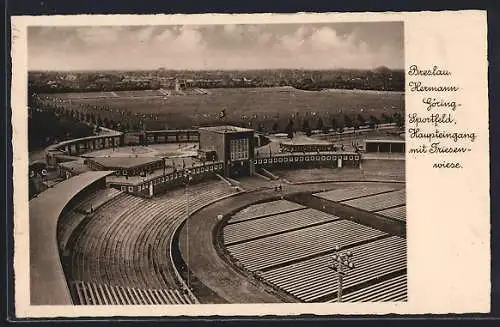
x=232, y=145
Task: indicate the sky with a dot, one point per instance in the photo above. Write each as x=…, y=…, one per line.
x=257, y=46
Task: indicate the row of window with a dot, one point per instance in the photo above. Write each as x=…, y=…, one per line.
x=89, y=145
x=173, y=176
x=239, y=149
x=305, y=158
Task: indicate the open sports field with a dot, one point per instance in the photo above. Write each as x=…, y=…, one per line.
x=241, y=104
x=244, y=101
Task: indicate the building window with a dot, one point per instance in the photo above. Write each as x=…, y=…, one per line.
x=131, y=189
x=124, y=188
x=286, y=159
x=280, y=159
x=317, y=158
x=350, y=157
x=329, y=158
x=275, y=160
x=345, y=157
x=296, y=159
x=334, y=157
x=239, y=149
x=301, y=159
x=356, y=157
x=322, y=158
x=265, y=160
x=307, y=158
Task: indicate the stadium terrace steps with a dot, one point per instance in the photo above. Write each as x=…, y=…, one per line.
x=126, y=243
x=379, y=201
x=311, y=280
x=274, y=224
x=66, y=225
x=266, y=253
x=390, y=290
x=224, y=179
x=398, y=213
x=265, y=209
x=87, y=293
x=354, y=191
x=97, y=199
x=268, y=174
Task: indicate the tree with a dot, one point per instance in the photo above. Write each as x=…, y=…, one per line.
x=361, y=120
x=334, y=124
x=305, y=127
x=355, y=125
x=275, y=127
x=347, y=121
x=106, y=122
x=386, y=118
x=289, y=129
x=373, y=122
x=320, y=125
x=398, y=119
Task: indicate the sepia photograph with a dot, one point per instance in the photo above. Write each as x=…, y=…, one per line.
x=217, y=164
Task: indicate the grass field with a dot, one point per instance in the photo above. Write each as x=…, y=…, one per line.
x=262, y=104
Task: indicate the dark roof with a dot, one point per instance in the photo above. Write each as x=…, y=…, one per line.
x=386, y=140
x=48, y=284
x=124, y=162
x=226, y=129
x=77, y=166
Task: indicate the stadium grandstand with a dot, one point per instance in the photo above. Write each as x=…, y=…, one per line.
x=152, y=223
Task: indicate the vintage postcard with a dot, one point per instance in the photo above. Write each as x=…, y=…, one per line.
x=257, y=164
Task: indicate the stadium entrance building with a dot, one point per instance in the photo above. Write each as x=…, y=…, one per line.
x=230, y=144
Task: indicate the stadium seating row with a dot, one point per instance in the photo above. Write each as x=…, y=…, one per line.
x=127, y=244
x=391, y=290
x=379, y=201
x=354, y=191
x=68, y=222
x=279, y=249
x=265, y=209
x=103, y=294
x=312, y=279
x=268, y=225
x=97, y=199
x=396, y=213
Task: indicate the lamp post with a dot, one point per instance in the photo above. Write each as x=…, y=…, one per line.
x=188, y=177
x=341, y=263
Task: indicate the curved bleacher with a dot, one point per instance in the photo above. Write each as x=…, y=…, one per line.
x=398, y=213
x=354, y=191
x=312, y=280
x=289, y=246
x=266, y=253
x=47, y=280
x=378, y=202
x=275, y=224
x=126, y=243
x=390, y=290
x=265, y=209
x=103, y=294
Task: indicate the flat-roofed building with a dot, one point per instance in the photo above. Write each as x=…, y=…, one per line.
x=126, y=166
x=230, y=144
x=385, y=145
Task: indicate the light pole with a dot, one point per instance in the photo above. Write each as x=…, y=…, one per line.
x=188, y=177
x=341, y=263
